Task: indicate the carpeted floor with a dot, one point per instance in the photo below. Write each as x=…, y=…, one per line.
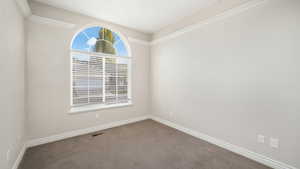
x=141, y=145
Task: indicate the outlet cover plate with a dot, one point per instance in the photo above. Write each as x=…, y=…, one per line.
x=8, y=155
x=260, y=138
x=274, y=142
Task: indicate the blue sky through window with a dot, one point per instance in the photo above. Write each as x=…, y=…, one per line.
x=80, y=42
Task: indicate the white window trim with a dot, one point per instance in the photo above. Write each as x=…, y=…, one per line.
x=99, y=54
x=95, y=107
x=89, y=108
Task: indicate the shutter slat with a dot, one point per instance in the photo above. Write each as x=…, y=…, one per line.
x=93, y=74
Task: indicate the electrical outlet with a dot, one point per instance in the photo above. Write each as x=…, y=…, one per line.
x=8, y=155
x=97, y=116
x=274, y=142
x=260, y=138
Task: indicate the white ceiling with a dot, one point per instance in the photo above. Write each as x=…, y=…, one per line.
x=144, y=15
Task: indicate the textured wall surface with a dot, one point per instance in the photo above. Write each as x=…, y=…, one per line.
x=235, y=78
x=49, y=77
x=12, y=47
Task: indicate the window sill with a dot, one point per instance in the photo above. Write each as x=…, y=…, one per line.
x=89, y=108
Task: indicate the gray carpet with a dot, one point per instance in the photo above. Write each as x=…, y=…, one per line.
x=141, y=145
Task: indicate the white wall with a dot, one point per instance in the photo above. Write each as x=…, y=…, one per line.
x=12, y=121
x=235, y=78
x=232, y=79
x=49, y=75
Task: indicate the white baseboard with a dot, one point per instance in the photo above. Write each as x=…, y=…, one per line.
x=53, y=138
x=20, y=157
x=239, y=150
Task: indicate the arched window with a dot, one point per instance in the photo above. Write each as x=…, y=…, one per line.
x=100, y=69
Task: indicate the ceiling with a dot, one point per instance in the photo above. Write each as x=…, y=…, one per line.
x=144, y=15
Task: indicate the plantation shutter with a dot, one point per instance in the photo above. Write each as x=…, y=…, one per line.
x=95, y=83
x=122, y=83
x=99, y=79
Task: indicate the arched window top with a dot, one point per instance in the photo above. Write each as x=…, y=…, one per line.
x=100, y=70
x=100, y=40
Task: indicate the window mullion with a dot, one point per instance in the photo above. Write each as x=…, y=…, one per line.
x=88, y=82
x=117, y=99
x=103, y=79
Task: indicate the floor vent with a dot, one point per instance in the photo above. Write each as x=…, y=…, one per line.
x=97, y=134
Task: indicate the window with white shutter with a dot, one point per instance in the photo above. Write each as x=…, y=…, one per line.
x=100, y=70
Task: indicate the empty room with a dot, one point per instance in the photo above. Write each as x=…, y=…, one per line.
x=150, y=84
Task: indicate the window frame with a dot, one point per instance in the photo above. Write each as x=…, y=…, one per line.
x=95, y=107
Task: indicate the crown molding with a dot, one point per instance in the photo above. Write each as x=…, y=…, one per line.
x=58, y=23
x=26, y=11
x=229, y=13
x=50, y=21
x=24, y=7
x=142, y=42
